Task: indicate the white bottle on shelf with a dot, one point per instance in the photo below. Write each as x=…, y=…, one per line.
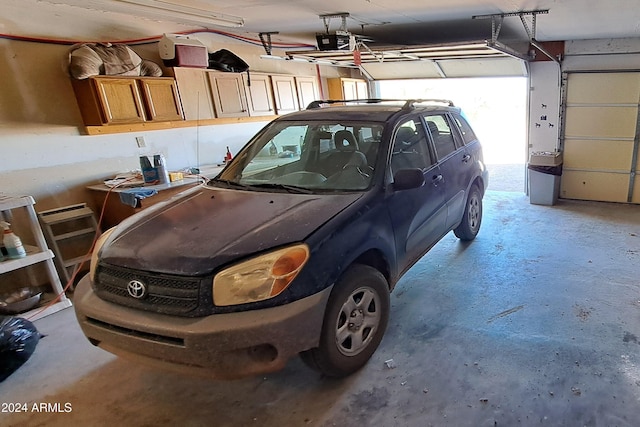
x=12, y=243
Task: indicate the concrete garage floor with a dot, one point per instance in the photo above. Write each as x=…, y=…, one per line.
x=536, y=322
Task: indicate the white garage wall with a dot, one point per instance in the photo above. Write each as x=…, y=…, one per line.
x=544, y=106
x=43, y=152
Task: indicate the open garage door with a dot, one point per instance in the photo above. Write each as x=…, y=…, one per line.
x=457, y=60
x=601, y=137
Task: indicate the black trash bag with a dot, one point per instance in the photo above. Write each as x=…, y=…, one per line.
x=224, y=60
x=547, y=170
x=18, y=339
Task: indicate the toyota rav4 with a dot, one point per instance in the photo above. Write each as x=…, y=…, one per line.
x=293, y=248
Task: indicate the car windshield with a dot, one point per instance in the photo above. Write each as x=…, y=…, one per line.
x=307, y=157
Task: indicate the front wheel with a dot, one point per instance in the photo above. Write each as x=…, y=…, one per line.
x=472, y=218
x=354, y=323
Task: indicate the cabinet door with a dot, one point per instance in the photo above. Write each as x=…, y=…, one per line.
x=307, y=90
x=259, y=94
x=350, y=89
x=284, y=93
x=119, y=99
x=228, y=94
x=362, y=90
x=346, y=88
x=195, y=94
x=161, y=98
x=334, y=87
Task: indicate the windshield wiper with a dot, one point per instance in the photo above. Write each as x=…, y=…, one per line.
x=233, y=184
x=286, y=187
x=228, y=183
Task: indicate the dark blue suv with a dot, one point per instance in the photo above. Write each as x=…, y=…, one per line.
x=293, y=248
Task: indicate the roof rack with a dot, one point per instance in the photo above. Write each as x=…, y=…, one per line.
x=408, y=103
x=412, y=102
x=319, y=103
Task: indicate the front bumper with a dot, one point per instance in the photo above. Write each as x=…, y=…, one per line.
x=221, y=346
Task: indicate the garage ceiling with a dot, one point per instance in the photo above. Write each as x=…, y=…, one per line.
x=400, y=22
x=411, y=32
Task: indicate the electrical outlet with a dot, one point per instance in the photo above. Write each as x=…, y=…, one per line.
x=140, y=141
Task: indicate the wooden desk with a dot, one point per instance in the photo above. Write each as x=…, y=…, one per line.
x=115, y=211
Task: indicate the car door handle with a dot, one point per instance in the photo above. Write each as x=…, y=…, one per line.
x=437, y=179
x=466, y=158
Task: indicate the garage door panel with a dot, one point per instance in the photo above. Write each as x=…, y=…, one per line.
x=604, y=88
x=601, y=186
x=598, y=154
x=599, y=139
x=601, y=122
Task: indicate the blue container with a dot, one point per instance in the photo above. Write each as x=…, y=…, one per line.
x=149, y=173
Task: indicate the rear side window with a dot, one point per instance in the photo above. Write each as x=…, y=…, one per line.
x=410, y=150
x=465, y=130
x=441, y=134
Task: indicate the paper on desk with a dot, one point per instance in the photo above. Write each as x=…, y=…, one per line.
x=125, y=180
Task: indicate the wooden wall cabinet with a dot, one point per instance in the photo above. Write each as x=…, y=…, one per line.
x=285, y=94
x=105, y=100
x=259, y=94
x=195, y=93
x=161, y=98
x=109, y=100
x=347, y=88
x=229, y=98
x=307, y=88
x=192, y=95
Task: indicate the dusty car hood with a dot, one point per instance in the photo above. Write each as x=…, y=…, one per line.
x=201, y=231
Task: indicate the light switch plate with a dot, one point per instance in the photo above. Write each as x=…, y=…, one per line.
x=140, y=141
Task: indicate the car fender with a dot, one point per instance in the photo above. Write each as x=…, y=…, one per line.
x=354, y=236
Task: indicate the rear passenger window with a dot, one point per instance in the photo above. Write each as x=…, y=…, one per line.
x=441, y=134
x=410, y=149
x=466, y=131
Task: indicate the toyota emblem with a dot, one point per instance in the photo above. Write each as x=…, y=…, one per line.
x=137, y=289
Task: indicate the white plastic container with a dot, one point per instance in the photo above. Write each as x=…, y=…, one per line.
x=12, y=243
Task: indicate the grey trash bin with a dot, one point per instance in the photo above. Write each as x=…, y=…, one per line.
x=545, y=170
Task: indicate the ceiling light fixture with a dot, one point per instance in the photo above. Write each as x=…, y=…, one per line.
x=165, y=10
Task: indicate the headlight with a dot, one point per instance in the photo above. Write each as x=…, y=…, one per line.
x=96, y=250
x=259, y=278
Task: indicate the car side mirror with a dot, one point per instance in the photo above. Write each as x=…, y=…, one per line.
x=406, y=179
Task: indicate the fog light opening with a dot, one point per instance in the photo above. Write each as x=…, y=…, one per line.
x=263, y=353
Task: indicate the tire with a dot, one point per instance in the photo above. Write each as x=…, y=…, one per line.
x=472, y=218
x=354, y=322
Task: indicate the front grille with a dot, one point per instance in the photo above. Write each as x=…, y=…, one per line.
x=175, y=295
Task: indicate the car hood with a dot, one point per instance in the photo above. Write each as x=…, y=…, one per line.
x=200, y=231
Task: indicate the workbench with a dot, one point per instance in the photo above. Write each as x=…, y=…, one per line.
x=115, y=211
